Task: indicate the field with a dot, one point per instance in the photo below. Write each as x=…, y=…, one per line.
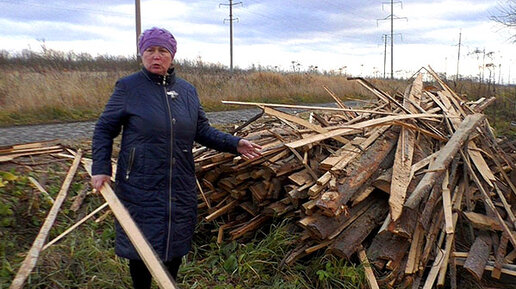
x=36, y=90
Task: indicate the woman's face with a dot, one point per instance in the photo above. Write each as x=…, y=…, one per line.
x=157, y=59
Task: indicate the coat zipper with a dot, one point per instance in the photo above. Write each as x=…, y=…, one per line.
x=131, y=160
x=172, y=122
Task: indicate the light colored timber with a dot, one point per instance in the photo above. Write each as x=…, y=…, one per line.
x=412, y=259
x=300, y=121
x=369, y=274
x=447, y=206
x=74, y=226
x=404, y=154
x=202, y=193
x=480, y=163
x=337, y=100
x=307, y=107
x=506, y=205
x=443, y=159
x=29, y=150
x=41, y=189
x=432, y=276
x=142, y=246
x=32, y=256
x=221, y=211
x=11, y=157
x=450, y=239
x=352, y=129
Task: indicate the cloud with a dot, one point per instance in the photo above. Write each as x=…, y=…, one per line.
x=326, y=33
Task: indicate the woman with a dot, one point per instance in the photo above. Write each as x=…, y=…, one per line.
x=161, y=117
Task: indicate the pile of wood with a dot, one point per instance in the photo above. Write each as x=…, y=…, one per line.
x=415, y=185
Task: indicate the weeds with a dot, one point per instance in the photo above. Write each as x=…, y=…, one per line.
x=85, y=258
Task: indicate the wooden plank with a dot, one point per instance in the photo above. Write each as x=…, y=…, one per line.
x=369, y=274
x=305, y=107
x=450, y=239
x=483, y=222
x=353, y=150
x=480, y=163
x=506, y=205
x=478, y=255
x=359, y=126
x=403, y=157
x=11, y=157
x=221, y=211
x=349, y=240
x=500, y=257
x=250, y=226
x=324, y=227
x=378, y=156
x=487, y=199
x=412, y=259
x=300, y=178
x=432, y=275
x=300, y=121
x=41, y=189
x=447, y=206
x=443, y=159
x=142, y=246
x=100, y=208
x=506, y=268
x=32, y=256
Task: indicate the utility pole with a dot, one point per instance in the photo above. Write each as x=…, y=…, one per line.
x=392, y=17
x=385, y=37
x=458, y=56
x=384, y=53
x=230, y=19
x=138, y=26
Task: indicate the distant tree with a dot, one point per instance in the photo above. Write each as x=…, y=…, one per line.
x=507, y=15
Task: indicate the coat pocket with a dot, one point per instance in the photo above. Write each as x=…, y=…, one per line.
x=130, y=163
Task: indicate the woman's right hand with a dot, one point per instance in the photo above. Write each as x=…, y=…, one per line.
x=97, y=181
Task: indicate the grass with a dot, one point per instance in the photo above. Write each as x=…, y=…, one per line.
x=85, y=258
x=53, y=86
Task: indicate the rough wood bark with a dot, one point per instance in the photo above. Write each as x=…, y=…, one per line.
x=322, y=227
x=357, y=175
x=478, y=255
x=348, y=242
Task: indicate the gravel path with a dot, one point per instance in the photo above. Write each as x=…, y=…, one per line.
x=80, y=130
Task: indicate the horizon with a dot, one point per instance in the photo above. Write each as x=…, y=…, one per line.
x=330, y=36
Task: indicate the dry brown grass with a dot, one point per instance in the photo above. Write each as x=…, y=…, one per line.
x=29, y=97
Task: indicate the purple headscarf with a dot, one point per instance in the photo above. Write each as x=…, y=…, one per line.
x=157, y=37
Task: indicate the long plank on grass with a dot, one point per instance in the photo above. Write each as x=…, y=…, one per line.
x=32, y=256
x=144, y=249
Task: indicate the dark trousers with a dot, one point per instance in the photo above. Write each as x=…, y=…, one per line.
x=142, y=277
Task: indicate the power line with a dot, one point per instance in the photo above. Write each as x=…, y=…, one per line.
x=392, y=17
x=231, y=4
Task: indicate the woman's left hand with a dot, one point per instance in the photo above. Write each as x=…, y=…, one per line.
x=248, y=150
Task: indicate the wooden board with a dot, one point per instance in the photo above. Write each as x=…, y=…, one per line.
x=404, y=152
x=357, y=127
x=142, y=246
x=32, y=256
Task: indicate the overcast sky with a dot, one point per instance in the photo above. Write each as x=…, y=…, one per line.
x=331, y=35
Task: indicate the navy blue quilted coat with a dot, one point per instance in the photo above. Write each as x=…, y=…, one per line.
x=160, y=118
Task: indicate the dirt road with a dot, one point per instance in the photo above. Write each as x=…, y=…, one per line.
x=79, y=130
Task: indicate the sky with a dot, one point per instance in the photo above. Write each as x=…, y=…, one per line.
x=338, y=36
